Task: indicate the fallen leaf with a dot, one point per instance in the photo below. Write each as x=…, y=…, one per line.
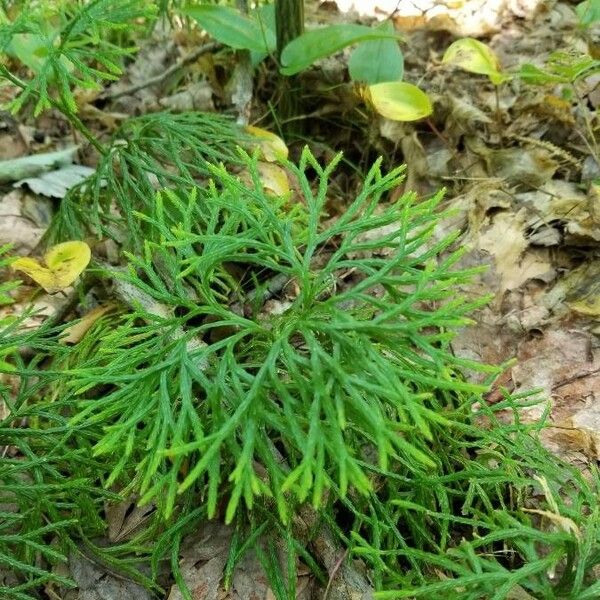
x=197, y=96
x=15, y=225
x=31, y=166
x=64, y=263
x=273, y=148
x=585, y=434
x=74, y=333
x=582, y=287
x=274, y=178
x=124, y=519
x=56, y=184
x=529, y=167
x=561, y=206
x=98, y=583
x=506, y=242
x=474, y=56
x=565, y=366
x=399, y=101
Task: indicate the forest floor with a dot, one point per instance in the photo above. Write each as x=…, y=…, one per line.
x=521, y=173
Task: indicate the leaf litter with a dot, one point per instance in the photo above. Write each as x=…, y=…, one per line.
x=523, y=203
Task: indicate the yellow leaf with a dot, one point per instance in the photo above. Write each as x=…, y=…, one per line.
x=399, y=101
x=274, y=179
x=64, y=263
x=273, y=148
x=475, y=57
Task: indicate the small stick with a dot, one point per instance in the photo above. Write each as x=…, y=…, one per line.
x=334, y=572
x=189, y=58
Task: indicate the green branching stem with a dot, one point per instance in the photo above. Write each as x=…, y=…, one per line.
x=75, y=121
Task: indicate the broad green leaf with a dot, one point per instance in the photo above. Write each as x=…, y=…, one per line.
x=30, y=49
x=588, y=12
x=233, y=29
x=319, y=43
x=265, y=17
x=377, y=61
x=399, y=101
x=33, y=50
x=474, y=56
x=536, y=76
x=64, y=263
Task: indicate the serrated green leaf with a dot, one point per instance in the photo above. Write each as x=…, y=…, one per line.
x=233, y=29
x=377, y=61
x=319, y=43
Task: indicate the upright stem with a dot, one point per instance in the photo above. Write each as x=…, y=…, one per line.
x=289, y=22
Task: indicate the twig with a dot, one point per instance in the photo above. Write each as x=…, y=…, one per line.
x=574, y=378
x=334, y=572
x=182, y=62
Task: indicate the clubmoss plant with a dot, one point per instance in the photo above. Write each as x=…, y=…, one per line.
x=262, y=363
x=345, y=371
x=262, y=358
x=158, y=150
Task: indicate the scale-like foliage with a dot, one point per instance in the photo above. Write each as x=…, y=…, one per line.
x=344, y=372
x=146, y=153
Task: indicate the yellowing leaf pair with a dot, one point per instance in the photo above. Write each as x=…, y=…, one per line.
x=64, y=263
x=399, y=101
x=475, y=57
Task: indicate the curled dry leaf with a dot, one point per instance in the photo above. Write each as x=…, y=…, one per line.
x=64, y=263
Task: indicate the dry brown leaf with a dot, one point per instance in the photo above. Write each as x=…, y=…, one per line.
x=561, y=206
x=97, y=583
x=506, y=242
x=529, y=167
x=16, y=227
x=197, y=96
x=125, y=518
x=74, y=333
x=565, y=364
x=582, y=289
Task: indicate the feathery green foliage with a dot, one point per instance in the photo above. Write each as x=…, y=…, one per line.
x=340, y=373
x=262, y=359
x=68, y=46
x=197, y=397
x=148, y=152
